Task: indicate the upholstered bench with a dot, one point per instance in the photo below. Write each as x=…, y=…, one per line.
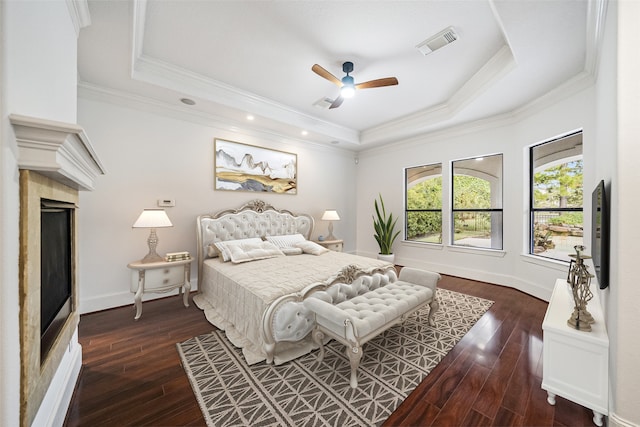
x=359, y=319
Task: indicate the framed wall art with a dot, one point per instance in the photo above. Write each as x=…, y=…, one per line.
x=243, y=167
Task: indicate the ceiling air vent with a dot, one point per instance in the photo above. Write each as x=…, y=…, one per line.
x=323, y=103
x=441, y=39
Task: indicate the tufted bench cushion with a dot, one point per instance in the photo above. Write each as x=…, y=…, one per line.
x=378, y=307
x=355, y=321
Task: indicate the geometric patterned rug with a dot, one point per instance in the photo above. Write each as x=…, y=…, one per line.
x=304, y=392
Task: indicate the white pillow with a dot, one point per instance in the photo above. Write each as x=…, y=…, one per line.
x=243, y=251
x=222, y=246
x=286, y=240
x=309, y=247
x=291, y=251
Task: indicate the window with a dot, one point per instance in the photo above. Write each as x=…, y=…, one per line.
x=423, y=204
x=477, y=202
x=556, y=197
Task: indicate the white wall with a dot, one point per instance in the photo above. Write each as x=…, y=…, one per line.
x=381, y=171
x=151, y=156
x=624, y=290
x=38, y=68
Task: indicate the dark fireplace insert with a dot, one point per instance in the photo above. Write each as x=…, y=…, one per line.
x=56, y=277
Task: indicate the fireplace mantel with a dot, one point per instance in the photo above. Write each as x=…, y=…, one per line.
x=61, y=151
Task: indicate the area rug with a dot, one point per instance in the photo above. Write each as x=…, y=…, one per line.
x=305, y=392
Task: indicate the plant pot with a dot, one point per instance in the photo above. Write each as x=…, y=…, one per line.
x=387, y=257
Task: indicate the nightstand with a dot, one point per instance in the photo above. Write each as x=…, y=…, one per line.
x=334, y=245
x=159, y=277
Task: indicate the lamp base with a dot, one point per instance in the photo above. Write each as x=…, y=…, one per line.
x=151, y=257
x=152, y=242
x=330, y=236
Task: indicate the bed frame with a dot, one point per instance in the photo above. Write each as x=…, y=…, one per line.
x=254, y=219
x=286, y=318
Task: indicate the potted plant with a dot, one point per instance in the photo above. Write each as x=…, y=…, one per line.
x=385, y=234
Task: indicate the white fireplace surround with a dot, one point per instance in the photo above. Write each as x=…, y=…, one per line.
x=56, y=161
x=61, y=151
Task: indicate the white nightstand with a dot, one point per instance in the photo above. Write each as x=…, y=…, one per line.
x=158, y=277
x=334, y=245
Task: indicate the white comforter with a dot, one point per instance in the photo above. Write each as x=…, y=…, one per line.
x=234, y=296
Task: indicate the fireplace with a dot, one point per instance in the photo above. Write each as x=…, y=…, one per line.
x=48, y=284
x=56, y=161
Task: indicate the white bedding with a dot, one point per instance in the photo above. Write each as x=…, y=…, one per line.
x=235, y=296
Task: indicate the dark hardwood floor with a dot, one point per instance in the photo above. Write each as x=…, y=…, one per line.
x=132, y=375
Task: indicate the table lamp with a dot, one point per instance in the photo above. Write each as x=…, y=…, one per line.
x=330, y=216
x=152, y=218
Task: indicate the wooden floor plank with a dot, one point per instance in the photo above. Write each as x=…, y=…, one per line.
x=131, y=372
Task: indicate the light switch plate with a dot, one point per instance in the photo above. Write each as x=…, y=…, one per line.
x=166, y=203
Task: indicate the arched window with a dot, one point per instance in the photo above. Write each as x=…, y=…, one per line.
x=423, y=203
x=556, y=219
x=477, y=202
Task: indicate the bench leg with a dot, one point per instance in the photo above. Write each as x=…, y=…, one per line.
x=355, y=354
x=318, y=338
x=434, y=307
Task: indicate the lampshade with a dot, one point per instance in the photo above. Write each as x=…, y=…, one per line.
x=152, y=218
x=330, y=215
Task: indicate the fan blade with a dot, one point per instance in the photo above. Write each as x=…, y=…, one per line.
x=387, y=81
x=337, y=102
x=325, y=74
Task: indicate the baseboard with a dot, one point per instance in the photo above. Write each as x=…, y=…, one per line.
x=54, y=406
x=530, y=288
x=121, y=299
x=617, y=421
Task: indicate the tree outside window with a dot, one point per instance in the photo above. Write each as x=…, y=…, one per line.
x=556, y=197
x=477, y=202
x=423, y=214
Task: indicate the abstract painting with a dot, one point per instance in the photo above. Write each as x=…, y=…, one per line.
x=243, y=167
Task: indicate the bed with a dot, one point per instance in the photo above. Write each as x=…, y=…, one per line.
x=254, y=292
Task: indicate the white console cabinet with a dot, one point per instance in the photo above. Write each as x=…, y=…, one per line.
x=575, y=363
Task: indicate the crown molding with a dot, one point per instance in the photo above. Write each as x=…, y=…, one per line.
x=171, y=77
x=420, y=122
x=79, y=13
x=596, y=18
x=93, y=92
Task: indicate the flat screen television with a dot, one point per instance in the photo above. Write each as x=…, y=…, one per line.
x=600, y=234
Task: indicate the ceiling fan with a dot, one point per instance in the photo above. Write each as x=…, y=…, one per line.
x=347, y=85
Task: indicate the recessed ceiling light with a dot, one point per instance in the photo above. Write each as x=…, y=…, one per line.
x=304, y=133
x=250, y=117
x=187, y=101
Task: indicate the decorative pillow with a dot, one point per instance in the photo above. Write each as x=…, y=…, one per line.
x=291, y=251
x=309, y=247
x=222, y=246
x=286, y=240
x=249, y=251
x=212, y=251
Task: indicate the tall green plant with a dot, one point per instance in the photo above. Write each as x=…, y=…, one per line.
x=384, y=226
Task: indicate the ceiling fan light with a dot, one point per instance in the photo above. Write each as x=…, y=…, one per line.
x=347, y=91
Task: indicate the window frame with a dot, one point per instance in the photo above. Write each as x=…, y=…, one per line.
x=407, y=211
x=533, y=209
x=454, y=210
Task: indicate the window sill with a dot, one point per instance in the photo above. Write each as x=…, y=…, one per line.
x=426, y=245
x=499, y=253
x=546, y=262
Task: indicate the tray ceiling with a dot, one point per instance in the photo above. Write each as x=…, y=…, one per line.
x=239, y=58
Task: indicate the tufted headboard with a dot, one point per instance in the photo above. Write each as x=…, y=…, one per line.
x=255, y=219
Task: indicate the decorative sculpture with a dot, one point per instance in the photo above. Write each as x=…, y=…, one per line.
x=579, y=279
